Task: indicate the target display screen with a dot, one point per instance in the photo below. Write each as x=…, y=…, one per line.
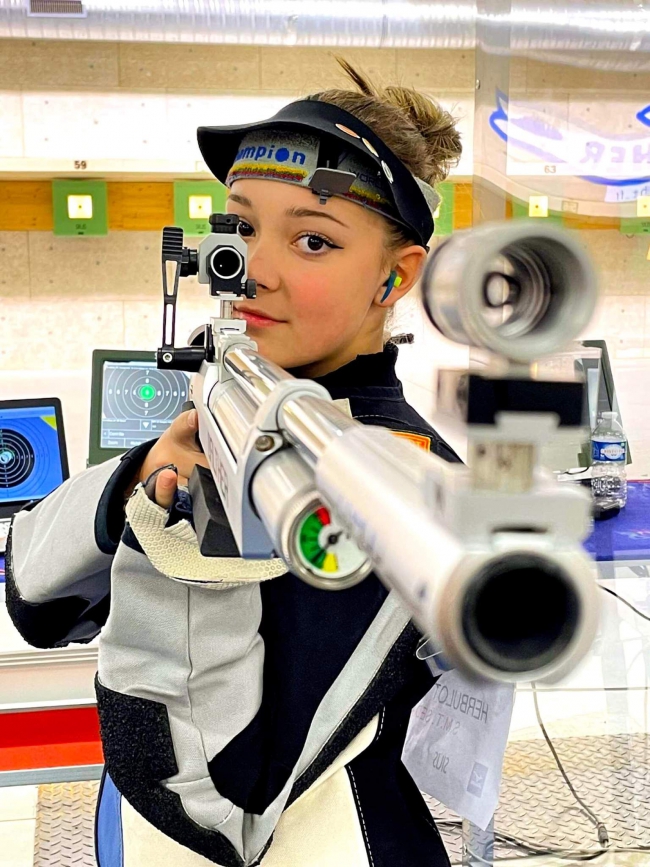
x=30, y=455
x=139, y=402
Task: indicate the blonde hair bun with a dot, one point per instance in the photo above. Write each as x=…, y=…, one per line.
x=417, y=129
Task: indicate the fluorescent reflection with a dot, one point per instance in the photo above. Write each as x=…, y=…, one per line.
x=610, y=20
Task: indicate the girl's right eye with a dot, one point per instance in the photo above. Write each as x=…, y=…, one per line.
x=245, y=229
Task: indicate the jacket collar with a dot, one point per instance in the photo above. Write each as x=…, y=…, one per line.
x=366, y=371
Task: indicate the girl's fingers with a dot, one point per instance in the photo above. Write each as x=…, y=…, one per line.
x=166, y=482
x=183, y=430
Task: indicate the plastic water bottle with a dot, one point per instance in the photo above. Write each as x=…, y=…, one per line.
x=608, y=462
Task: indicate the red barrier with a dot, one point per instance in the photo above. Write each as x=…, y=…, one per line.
x=49, y=739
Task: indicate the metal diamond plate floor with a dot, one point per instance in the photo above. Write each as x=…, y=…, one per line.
x=610, y=773
x=65, y=817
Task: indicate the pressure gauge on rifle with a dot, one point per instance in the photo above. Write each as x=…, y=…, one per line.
x=322, y=553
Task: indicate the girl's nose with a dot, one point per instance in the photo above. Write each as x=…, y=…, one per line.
x=262, y=266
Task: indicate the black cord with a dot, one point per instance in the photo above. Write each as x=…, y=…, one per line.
x=603, y=836
x=625, y=602
x=535, y=851
x=532, y=849
x=564, y=854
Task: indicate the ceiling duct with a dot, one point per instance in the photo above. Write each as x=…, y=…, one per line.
x=67, y=8
x=564, y=29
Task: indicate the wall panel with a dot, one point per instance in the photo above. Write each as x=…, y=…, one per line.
x=25, y=205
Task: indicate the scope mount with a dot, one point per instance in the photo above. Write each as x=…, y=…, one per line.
x=180, y=261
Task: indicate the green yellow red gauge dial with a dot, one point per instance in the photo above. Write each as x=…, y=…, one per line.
x=324, y=548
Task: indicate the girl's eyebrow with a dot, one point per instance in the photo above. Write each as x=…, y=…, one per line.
x=308, y=212
x=290, y=212
x=241, y=200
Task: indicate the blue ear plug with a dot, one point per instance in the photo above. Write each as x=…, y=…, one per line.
x=394, y=281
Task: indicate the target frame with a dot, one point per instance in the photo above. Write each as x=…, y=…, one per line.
x=38, y=447
x=132, y=405
x=17, y=457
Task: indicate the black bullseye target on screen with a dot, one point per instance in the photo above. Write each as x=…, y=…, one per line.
x=143, y=393
x=17, y=460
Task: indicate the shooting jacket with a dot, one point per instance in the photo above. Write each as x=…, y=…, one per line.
x=260, y=723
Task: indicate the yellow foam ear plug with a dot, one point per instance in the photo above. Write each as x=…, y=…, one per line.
x=397, y=283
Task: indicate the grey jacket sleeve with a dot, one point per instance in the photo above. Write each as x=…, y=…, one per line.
x=59, y=555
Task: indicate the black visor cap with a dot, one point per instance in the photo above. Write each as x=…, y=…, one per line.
x=219, y=146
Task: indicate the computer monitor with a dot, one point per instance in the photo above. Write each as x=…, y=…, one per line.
x=601, y=393
x=33, y=455
x=588, y=359
x=131, y=401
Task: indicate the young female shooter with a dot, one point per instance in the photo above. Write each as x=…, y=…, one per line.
x=262, y=722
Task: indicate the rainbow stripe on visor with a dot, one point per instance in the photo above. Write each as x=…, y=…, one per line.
x=292, y=157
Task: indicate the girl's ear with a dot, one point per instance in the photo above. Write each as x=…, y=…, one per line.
x=407, y=265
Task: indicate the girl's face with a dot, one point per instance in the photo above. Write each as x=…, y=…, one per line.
x=319, y=271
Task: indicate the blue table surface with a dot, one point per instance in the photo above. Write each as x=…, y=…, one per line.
x=625, y=537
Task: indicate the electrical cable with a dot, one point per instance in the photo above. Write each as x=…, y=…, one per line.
x=625, y=602
x=533, y=850
x=573, y=855
x=601, y=830
x=477, y=856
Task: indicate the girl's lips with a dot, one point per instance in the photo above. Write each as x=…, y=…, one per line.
x=255, y=319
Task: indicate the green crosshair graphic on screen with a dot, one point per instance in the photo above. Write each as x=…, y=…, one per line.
x=147, y=392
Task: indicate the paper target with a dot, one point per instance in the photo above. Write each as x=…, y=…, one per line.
x=139, y=402
x=143, y=392
x=30, y=453
x=17, y=458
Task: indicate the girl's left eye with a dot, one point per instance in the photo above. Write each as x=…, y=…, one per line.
x=311, y=243
x=245, y=229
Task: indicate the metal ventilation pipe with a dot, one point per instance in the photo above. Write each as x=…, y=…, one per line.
x=536, y=25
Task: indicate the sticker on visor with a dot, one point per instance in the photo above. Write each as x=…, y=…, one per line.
x=370, y=147
x=347, y=130
x=387, y=171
